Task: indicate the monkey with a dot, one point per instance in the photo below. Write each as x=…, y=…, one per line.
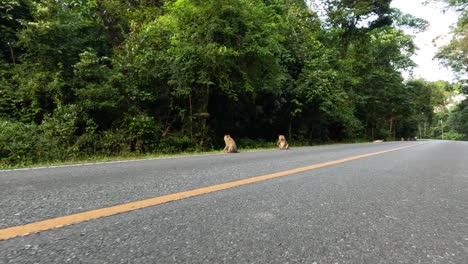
x=282, y=143
x=231, y=146
x=402, y=139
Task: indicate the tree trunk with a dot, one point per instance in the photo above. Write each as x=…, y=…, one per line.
x=391, y=127
x=425, y=129
x=191, y=118
x=203, y=114
x=419, y=130
x=290, y=129
x=13, y=59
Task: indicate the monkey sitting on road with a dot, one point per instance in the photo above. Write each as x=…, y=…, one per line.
x=231, y=146
x=282, y=143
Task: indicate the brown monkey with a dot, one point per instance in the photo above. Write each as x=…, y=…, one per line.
x=231, y=146
x=282, y=143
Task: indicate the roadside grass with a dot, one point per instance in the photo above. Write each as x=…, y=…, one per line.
x=105, y=158
x=249, y=146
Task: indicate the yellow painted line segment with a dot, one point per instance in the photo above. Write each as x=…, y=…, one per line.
x=61, y=221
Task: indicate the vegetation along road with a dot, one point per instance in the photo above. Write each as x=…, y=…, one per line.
x=399, y=202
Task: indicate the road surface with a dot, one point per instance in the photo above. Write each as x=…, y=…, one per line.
x=405, y=202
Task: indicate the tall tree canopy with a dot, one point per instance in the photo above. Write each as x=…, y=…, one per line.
x=109, y=77
x=455, y=56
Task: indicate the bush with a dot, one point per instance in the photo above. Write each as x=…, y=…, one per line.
x=64, y=135
x=174, y=143
x=143, y=132
x=114, y=142
x=59, y=134
x=18, y=143
x=247, y=143
x=453, y=136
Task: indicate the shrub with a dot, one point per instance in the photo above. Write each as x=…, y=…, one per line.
x=453, y=136
x=18, y=142
x=247, y=143
x=174, y=143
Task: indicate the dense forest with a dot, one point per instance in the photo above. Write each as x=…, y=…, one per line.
x=87, y=78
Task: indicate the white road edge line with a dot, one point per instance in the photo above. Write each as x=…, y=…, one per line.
x=134, y=160
x=107, y=162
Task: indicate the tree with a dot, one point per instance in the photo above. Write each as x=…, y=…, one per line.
x=12, y=13
x=458, y=120
x=95, y=77
x=455, y=54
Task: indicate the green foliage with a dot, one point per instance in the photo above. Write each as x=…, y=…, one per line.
x=18, y=142
x=174, y=144
x=455, y=54
x=248, y=143
x=409, y=21
x=143, y=132
x=13, y=14
x=87, y=78
x=458, y=120
x=454, y=136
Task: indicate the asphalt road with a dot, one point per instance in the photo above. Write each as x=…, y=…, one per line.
x=404, y=206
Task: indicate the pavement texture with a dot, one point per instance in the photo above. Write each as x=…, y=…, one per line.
x=406, y=206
